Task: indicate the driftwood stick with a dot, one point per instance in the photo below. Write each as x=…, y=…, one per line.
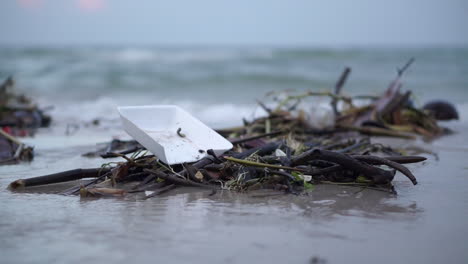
x=377, y=131
x=263, y=165
x=392, y=164
x=261, y=151
x=64, y=176
x=377, y=175
x=177, y=180
x=134, y=176
x=191, y=172
x=214, y=156
x=98, y=192
x=397, y=159
x=76, y=189
x=325, y=170
x=382, y=102
x=395, y=103
x=120, y=153
x=282, y=173
x=393, y=89
x=198, y=165
x=202, y=163
x=148, y=179
x=243, y=140
x=313, y=172
x=405, y=67
x=338, y=88
x=357, y=145
x=264, y=107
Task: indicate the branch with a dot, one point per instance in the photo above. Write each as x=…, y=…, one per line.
x=377, y=175
x=338, y=88
x=405, y=67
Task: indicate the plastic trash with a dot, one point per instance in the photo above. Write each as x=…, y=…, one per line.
x=171, y=133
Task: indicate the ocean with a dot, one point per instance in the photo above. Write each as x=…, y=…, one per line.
x=425, y=223
x=220, y=85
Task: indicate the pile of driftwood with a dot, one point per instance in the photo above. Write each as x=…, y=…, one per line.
x=271, y=161
x=19, y=117
x=391, y=114
x=279, y=151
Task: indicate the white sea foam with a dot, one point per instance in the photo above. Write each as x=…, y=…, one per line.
x=133, y=55
x=184, y=55
x=85, y=111
x=217, y=115
x=105, y=108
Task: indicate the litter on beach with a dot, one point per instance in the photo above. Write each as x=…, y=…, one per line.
x=171, y=133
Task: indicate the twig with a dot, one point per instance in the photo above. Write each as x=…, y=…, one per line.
x=397, y=159
x=243, y=140
x=264, y=107
x=76, y=189
x=120, y=153
x=338, y=88
x=264, y=165
x=377, y=131
x=121, y=156
x=405, y=67
x=261, y=151
x=213, y=154
x=392, y=164
x=64, y=176
x=396, y=102
x=377, y=175
x=324, y=171
x=177, y=180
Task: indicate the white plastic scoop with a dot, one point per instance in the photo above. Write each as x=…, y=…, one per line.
x=171, y=133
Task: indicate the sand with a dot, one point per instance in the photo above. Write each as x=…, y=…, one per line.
x=422, y=224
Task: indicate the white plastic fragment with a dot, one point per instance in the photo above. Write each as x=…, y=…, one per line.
x=307, y=178
x=171, y=133
x=279, y=153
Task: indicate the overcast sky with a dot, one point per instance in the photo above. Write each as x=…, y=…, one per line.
x=234, y=22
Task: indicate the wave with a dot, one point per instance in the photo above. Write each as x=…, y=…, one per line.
x=178, y=55
x=105, y=109
x=223, y=75
x=216, y=115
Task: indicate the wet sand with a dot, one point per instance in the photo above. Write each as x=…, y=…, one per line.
x=333, y=224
